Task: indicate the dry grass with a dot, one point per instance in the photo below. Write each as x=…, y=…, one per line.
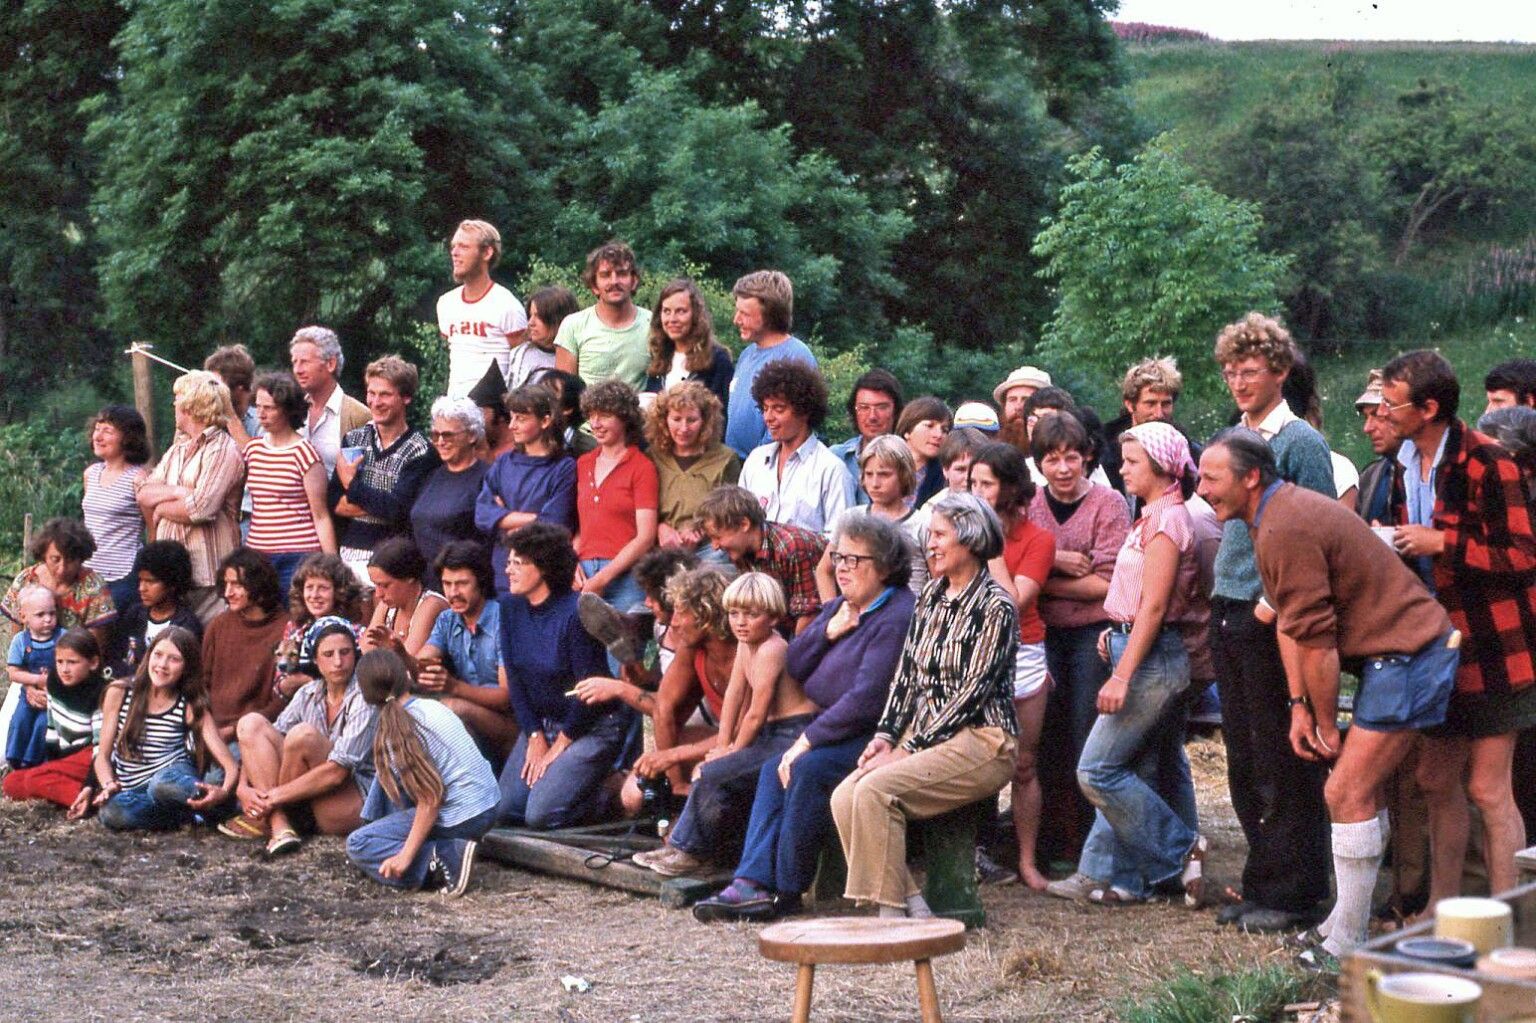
x=152, y=927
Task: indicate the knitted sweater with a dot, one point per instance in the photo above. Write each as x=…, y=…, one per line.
x=1303, y=458
x=1097, y=527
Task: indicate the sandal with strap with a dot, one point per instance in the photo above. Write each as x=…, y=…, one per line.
x=1193, y=876
x=1113, y=896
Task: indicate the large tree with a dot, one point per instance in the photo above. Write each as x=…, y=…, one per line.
x=268, y=165
x=1147, y=259
x=53, y=56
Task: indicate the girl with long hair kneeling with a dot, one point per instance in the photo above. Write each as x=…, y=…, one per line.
x=434, y=795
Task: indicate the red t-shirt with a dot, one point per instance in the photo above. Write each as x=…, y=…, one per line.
x=606, y=514
x=1030, y=551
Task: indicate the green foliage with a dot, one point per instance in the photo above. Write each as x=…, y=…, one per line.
x=42, y=459
x=1147, y=259
x=1299, y=157
x=721, y=188
x=1253, y=996
x=313, y=179
x=56, y=55
x=1440, y=155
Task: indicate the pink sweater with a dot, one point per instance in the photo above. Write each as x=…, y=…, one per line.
x=1097, y=528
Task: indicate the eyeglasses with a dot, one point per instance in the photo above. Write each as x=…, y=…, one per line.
x=436, y=435
x=851, y=560
x=864, y=410
x=1386, y=408
x=1246, y=376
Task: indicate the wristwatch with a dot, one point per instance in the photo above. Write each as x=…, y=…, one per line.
x=1299, y=701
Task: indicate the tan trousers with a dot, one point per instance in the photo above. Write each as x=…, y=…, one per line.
x=872, y=810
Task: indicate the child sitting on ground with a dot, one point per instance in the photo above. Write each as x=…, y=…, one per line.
x=156, y=740
x=765, y=711
x=27, y=665
x=434, y=796
x=163, y=569
x=74, y=689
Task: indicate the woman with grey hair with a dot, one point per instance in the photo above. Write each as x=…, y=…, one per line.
x=846, y=658
x=948, y=735
x=444, y=510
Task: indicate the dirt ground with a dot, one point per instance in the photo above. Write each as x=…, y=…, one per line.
x=97, y=926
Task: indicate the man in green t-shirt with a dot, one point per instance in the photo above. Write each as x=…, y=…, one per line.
x=608, y=339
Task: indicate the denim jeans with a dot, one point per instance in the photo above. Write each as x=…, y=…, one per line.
x=564, y=796
x=1072, y=657
x=160, y=804
x=26, y=744
x=623, y=593
x=286, y=564
x=384, y=836
x=789, y=826
x=719, y=805
x=1138, y=839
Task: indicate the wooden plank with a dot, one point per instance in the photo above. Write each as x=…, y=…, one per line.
x=144, y=395
x=544, y=856
x=583, y=862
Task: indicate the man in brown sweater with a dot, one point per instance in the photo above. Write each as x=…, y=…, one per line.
x=1339, y=593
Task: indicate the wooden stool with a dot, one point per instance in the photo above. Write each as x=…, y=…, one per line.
x=862, y=940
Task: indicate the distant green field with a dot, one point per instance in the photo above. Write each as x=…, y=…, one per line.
x=1192, y=88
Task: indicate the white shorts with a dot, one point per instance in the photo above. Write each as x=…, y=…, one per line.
x=1029, y=671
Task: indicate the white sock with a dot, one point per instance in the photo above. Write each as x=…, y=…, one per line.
x=891, y=912
x=1357, y=851
x=917, y=907
x=1384, y=819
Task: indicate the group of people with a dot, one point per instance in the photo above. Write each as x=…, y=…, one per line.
x=310, y=617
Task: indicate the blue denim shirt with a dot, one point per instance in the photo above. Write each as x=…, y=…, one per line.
x=848, y=451
x=472, y=657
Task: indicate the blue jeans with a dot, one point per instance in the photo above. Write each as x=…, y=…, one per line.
x=564, y=796
x=719, y=805
x=1138, y=839
x=286, y=564
x=790, y=826
x=1072, y=656
x=623, y=593
x=160, y=804
x=27, y=743
x=385, y=834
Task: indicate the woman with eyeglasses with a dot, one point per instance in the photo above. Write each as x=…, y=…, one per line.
x=445, y=505
x=846, y=657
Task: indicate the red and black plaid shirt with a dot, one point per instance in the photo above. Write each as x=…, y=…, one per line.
x=1486, y=579
x=790, y=554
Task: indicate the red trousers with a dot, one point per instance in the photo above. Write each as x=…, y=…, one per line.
x=58, y=781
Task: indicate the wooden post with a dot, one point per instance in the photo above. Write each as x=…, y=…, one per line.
x=144, y=394
x=26, y=536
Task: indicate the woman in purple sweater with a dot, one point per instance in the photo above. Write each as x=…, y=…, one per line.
x=845, y=660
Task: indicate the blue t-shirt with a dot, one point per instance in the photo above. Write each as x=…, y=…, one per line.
x=30, y=653
x=744, y=429
x=471, y=657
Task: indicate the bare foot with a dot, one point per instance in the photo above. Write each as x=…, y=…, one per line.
x=1032, y=877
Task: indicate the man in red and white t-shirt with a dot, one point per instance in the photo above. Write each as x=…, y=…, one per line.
x=481, y=320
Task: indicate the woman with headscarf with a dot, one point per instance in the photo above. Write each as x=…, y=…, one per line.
x=1144, y=832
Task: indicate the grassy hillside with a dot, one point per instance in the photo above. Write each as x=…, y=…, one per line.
x=1192, y=88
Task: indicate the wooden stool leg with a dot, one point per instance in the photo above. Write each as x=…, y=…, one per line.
x=803, y=982
x=927, y=994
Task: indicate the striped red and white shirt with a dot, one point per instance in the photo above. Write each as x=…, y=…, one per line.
x=281, y=521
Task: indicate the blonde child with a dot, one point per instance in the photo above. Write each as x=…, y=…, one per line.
x=157, y=737
x=764, y=712
x=434, y=796
x=27, y=665
x=74, y=689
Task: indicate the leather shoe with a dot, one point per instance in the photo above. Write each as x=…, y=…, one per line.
x=1260, y=920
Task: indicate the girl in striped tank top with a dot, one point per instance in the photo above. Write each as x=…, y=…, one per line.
x=74, y=689
x=434, y=796
x=156, y=741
